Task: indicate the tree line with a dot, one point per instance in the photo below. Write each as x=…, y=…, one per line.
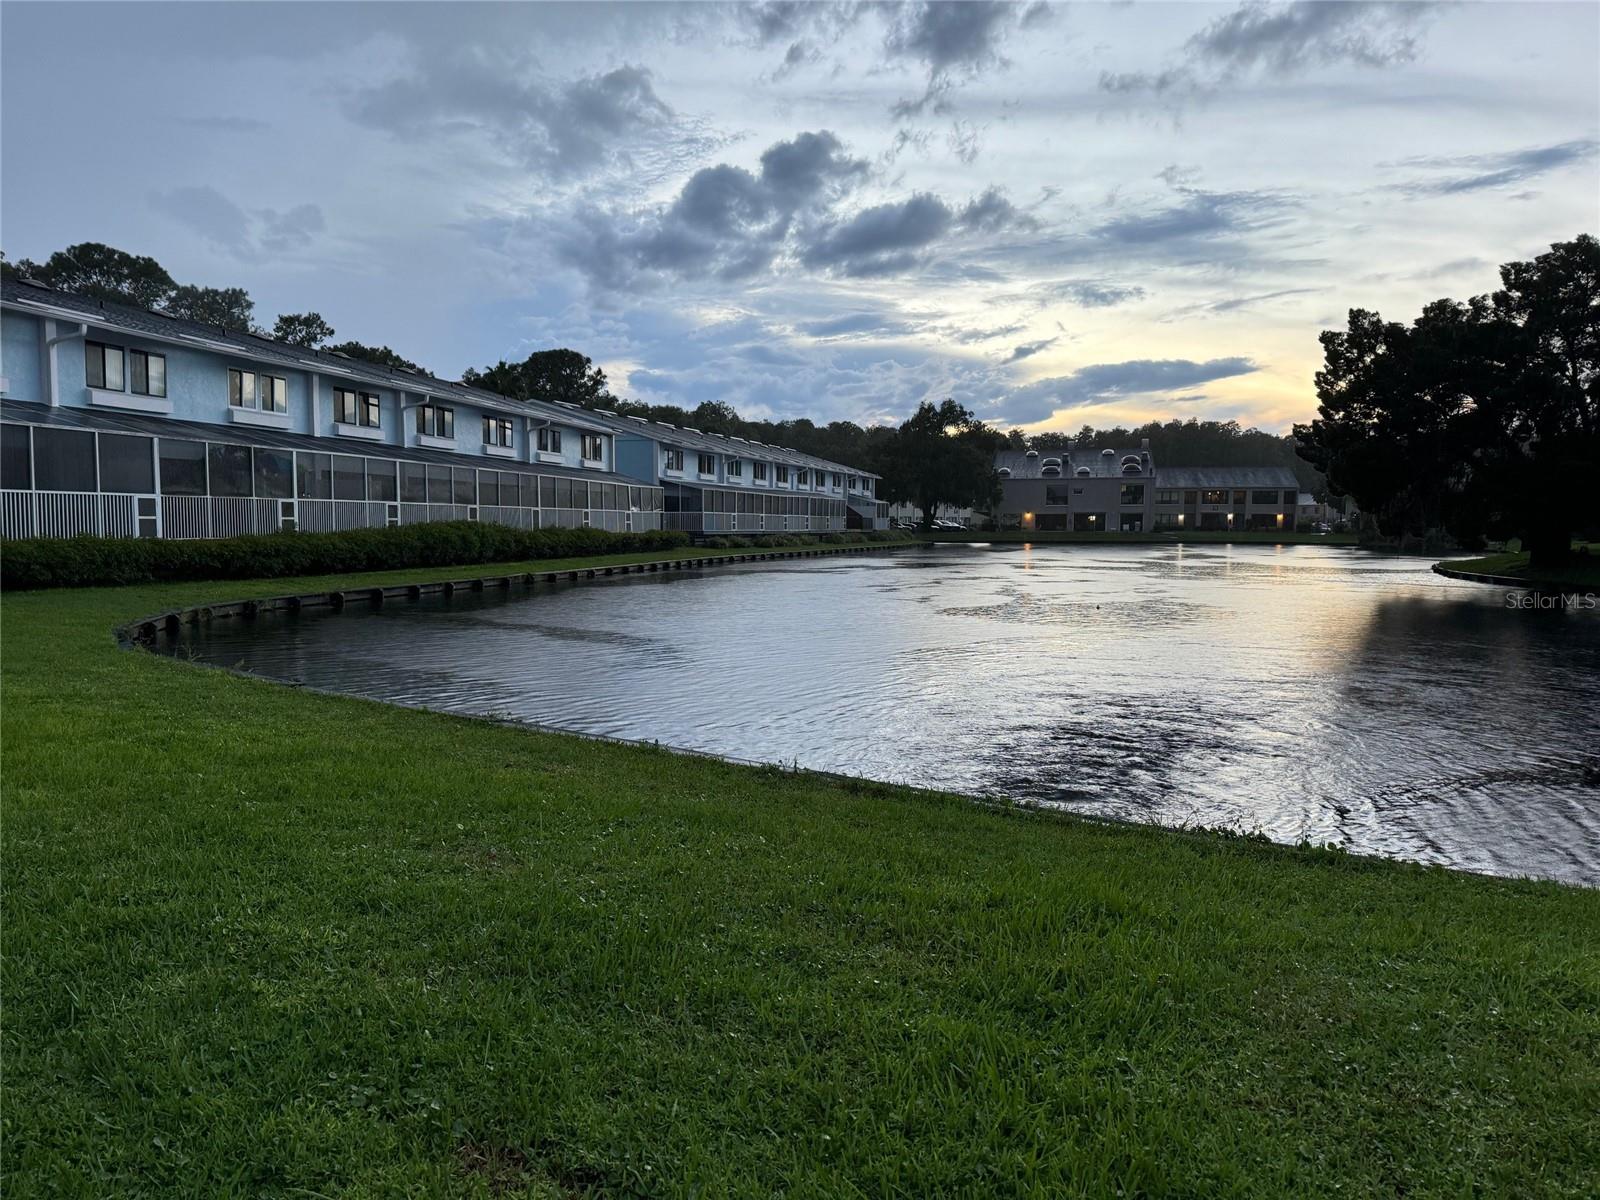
x=1480, y=418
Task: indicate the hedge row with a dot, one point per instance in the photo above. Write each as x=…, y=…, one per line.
x=100, y=562
x=852, y=538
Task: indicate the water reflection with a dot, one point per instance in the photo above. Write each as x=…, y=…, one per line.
x=1300, y=691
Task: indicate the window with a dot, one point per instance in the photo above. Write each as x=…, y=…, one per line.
x=274, y=474
x=127, y=464
x=147, y=373
x=1289, y=498
x=357, y=408
x=488, y=487
x=549, y=441
x=1214, y=496
x=708, y=464
x=380, y=479
x=838, y=479
x=16, y=457
x=674, y=460
x=349, y=477
x=735, y=469
x=1055, y=496
x=593, y=447
x=436, y=420
x=241, y=388
x=783, y=473
x=800, y=477
x=497, y=431
x=102, y=366
x=63, y=460
x=1169, y=496
x=274, y=394
x=1263, y=497
x=466, y=491
x=1238, y=499
x=758, y=472
x=1191, y=496
x=1132, y=493
x=230, y=470
x=183, y=468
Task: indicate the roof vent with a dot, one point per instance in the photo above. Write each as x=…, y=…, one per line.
x=1031, y=454
x=1052, y=462
x=1108, y=453
x=1047, y=469
x=1082, y=472
x=1005, y=472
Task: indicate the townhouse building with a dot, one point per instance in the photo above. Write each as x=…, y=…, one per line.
x=1124, y=491
x=713, y=483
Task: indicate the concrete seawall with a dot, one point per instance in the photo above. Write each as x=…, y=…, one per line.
x=147, y=629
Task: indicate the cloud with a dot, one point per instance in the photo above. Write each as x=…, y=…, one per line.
x=730, y=223
x=1103, y=382
x=558, y=129
x=1477, y=172
x=207, y=212
x=1283, y=39
x=1090, y=293
x=1029, y=349
x=953, y=40
x=1200, y=214
x=850, y=324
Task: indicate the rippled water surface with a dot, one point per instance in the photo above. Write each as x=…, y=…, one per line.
x=1306, y=692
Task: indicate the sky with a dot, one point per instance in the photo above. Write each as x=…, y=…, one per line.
x=1056, y=214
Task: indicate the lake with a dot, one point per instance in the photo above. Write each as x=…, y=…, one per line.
x=1305, y=692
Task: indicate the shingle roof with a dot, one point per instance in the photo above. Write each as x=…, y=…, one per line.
x=253, y=435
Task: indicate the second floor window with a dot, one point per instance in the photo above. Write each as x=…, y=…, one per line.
x=801, y=477
x=274, y=394
x=735, y=469
x=436, y=420
x=147, y=373
x=593, y=447
x=241, y=388
x=758, y=472
x=497, y=431
x=356, y=408
x=674, y=460
x=549, y=441
x=838, y=479
x=102, y=366
x=708, y=464
x=783, y=474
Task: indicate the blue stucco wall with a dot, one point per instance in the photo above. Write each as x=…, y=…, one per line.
x=20, y=341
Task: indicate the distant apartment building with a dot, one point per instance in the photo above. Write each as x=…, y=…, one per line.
x=1124, y=491
x=123, y=422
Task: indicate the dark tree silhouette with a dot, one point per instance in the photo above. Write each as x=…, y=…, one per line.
x=103, y=272
x=230, y=308
x=306, y=329
x=546, y=375
x=942, y=455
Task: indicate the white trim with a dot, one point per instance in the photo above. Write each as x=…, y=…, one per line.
x=103, y=398
x=500, y=451
x=430, y=442
x=371, y=433
x=549, y=456
x=592, y=462
x=257, y=416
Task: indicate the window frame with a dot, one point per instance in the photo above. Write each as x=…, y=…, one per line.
x=497, y=431
x=253, y=399
x=591, y=441
x=104, y=385
x=130, y=377
x=549, y=440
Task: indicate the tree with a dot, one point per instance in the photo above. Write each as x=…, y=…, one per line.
x=103, y=272
x=1478, y=418
x=381, y=355
x=306, y=329
x=231, y=308
x=941, y=455
x=558, y=374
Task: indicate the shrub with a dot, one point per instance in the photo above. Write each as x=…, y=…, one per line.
x=98, y=562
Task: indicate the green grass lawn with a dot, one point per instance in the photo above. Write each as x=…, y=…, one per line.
x=261, y=941
x=1580, y=573
x=1220, y=535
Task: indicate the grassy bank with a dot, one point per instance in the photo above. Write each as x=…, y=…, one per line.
x=1242, y=536
x=1580, y=574
x=266, y=942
